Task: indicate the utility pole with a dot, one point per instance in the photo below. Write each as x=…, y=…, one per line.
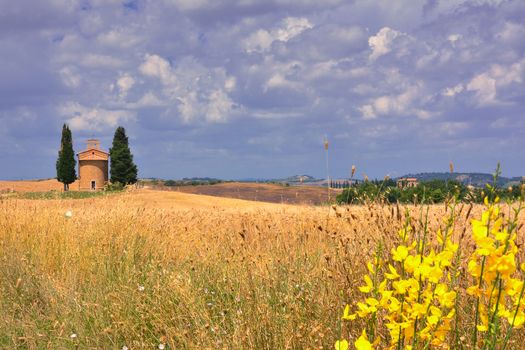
x=327, y=169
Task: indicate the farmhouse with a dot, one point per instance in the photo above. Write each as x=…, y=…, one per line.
x=92, y=167
x=407, y=182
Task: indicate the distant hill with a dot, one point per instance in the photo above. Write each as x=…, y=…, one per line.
x=300, y=178
x=202, y=179
x=295, y=179
x=474, y=179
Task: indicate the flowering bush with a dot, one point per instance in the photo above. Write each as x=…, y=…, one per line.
x=411, y=298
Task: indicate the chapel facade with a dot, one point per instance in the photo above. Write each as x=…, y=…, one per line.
x=93, y=166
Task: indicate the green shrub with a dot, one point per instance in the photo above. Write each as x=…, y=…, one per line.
x=114, y=186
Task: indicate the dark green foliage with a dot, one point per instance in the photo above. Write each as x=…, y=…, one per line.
x=474, y=179
x=123, y=170
x=433, y=191
x=114, y=187
x=65, y=164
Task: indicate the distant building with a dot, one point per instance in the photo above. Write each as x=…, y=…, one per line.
x=407, y=182
x=92, y=167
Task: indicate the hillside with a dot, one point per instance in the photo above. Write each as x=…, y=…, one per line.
x=263, y=192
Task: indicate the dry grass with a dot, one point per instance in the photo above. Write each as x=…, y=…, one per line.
x=34, y=186
x=145, y=268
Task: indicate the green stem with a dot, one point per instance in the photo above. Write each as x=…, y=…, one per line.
x=476, y=318
x=475, y=337
x=492, y=326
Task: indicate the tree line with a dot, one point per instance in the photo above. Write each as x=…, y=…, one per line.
x=122, y=168
x=433, y=191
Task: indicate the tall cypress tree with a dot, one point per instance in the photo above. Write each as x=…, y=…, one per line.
x=123, y=170
x=66, y=159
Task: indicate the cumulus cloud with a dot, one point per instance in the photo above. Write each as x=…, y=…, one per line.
x=485, y=88
x=219, y=106
x=262, y=39
x=381, y=43
x=86, y=118
x=453, y=38
x=157, y=67
x=197, y=92
x=452, y=91
x=119, y=37
x=124, y=84
x=512, y=32
x=485, y=85
x=149, y=99
x=389, y=75
x=279, y=81
x=404, y=104
x=70, y=77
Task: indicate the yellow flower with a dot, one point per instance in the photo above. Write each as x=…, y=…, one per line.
x=372, y=302
x=482, y=327
x=519, y=321
x=394, y=305
x=362, y=342
x=513, y=287
x=365, y=310
x=403, y=234
x=502, y=311
x=474, y=291
x=370, y=267
x=485, y=246
x=400, y=253
x=506, y=265
x=448, y=299
x=479, y=230
x=400, y=287
x=432, y=320
x=502, y=236
x=434, y=274
x=412, y=263
x=393, y=273
x=385, y=298
x=341, y=344
x=473, y=268
x=369, y=285
x=419, y=310
x=347, y=315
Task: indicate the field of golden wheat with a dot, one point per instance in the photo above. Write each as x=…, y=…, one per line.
x=167, y=270
x=34, y=186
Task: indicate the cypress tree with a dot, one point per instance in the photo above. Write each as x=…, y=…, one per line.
x=123, y=170
x=66, y=159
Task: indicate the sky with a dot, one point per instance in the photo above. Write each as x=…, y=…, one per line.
x=250, y=88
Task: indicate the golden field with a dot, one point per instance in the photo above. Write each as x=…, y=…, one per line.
x=34, y=186
x=146, y=269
